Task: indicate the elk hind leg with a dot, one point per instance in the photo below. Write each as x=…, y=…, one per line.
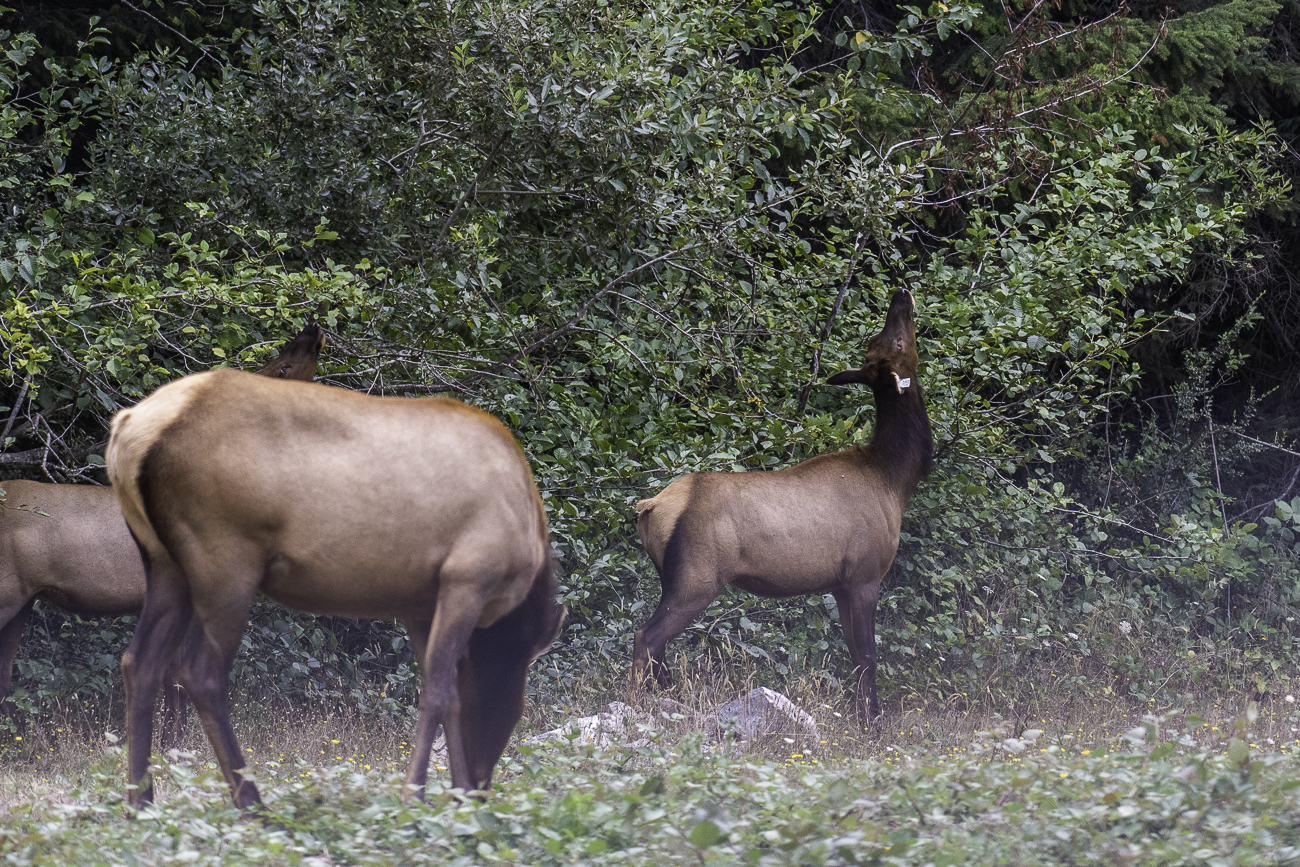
x=203, y=668
x=10, y=635
x=677, y=610
x=417, y=774
x=166, y=615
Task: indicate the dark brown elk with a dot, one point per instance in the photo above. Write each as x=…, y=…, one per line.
x=68, y=544
x=829, y=524
x=335, y=503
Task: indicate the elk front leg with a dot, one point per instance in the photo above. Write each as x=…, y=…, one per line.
x=857, y=604
x=448, y=641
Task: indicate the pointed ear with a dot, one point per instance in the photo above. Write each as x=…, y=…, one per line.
x=545, y=645
x=844, y=377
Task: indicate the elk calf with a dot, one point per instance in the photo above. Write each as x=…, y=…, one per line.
x=829, y=524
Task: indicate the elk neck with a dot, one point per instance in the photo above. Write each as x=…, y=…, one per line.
x=902, y=445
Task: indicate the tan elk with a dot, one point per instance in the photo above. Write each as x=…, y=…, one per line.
x=68, y=544
x=829, y=524
x=336, y=503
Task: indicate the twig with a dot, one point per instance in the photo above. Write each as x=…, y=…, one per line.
x=576, y=318
x=1262, y=443
x=469, y=191
x=167, y=26
x=30, y=458
x=13, y=414
x=826, y=330
x=1218, y=487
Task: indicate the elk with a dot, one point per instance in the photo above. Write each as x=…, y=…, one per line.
x=333, y=502
x=829, y=524
x=68, y=544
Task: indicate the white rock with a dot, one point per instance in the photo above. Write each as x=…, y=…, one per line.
x=615, y=728
x=766, y=713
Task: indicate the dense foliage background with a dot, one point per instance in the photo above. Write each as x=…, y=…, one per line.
x=644, y=234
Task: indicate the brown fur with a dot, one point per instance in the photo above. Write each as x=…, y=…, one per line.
x=336, y=503
x=69, y=545
x=829, y=524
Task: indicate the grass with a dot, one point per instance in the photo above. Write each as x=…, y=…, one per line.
x=1147, y=799
x=272, y=729
x=1095, y=780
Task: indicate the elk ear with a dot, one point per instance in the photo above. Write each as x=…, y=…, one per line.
x=543, y=646
x=844, y=377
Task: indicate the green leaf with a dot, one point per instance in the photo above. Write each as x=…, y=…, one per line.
x=705, y=834
x=1238, y=753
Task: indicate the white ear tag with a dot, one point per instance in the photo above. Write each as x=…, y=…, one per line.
x=902, y=383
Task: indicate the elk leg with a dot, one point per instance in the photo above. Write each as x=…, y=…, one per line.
x=491, y=684
x=858, y=602
x=173, y=717
x=417, y=632
x=845, y=608
x=453, y=622
x=10, y=635
x=163, y=621
x=650, y=643
x=204, y=662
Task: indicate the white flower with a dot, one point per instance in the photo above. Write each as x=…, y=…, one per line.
x=1291, y=698
x=1072, y=636
x=1125, y=627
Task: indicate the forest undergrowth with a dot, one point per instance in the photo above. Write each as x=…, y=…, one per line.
x=1045, y=775
x=56, y=750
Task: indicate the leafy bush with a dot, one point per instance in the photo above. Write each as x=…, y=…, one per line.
x=642, y=236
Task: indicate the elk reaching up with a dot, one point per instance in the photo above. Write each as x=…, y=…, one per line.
x=336, y=503
x=68, y=544
x=829, y=524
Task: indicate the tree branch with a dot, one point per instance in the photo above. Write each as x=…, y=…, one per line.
x=13, y=414
x=29, y=458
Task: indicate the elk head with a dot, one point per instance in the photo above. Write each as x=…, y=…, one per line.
x=297, y=360
x=491, y=678
x=892, y=359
